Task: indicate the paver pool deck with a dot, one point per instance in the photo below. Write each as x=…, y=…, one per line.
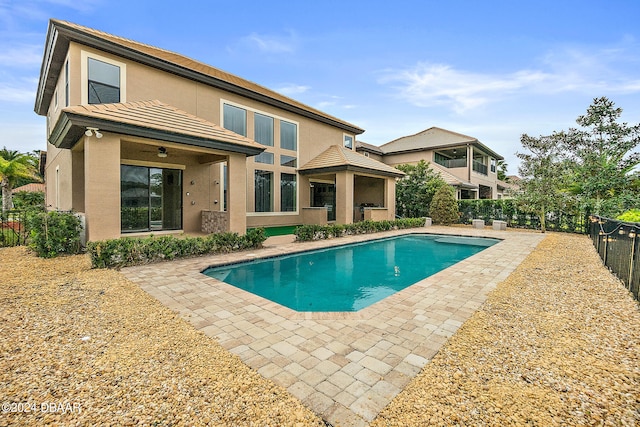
x=344, y=366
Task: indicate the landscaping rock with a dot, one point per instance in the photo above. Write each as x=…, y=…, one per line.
x=88, y=347
x=556, y=343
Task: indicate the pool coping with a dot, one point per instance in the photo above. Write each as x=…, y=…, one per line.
x=346, y=366
x=365, y=313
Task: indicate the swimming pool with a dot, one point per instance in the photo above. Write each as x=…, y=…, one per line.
x=349, y=277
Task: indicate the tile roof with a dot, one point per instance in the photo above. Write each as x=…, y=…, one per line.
x=341, y=158
x=61, y=32
x=34, y=187
x=154, y=119
x=433, y=137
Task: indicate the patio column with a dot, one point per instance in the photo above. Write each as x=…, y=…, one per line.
x=344, y=197
x=237, y=193
x=390, y=198
x=102, y=187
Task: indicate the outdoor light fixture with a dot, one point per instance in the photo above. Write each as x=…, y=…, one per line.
x=91, y=131
x=162, y=152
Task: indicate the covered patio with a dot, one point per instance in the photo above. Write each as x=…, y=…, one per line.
x=145, y=167
x=347, y=187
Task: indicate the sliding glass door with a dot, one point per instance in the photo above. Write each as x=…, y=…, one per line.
x=151, y=199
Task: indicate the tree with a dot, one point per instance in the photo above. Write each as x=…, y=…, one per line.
x=416, y=189
x=502, y=171
x=13, y=166
x=444, y=206
x=602, y=152
x=544, y=176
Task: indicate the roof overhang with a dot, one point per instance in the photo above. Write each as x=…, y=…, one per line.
x=353, y=168
x=71, y=126
x=475, y=143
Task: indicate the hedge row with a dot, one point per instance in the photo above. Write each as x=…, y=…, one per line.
x=129, y=251
x=319, y=232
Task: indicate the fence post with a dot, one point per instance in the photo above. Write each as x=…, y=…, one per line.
x=633, y=250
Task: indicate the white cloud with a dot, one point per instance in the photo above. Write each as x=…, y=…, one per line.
x=20, y=56
x=17, y=94
x=427, y=85
x=596, y=72
x=270, y=43
x=291, y=89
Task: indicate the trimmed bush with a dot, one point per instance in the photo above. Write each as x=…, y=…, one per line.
x=128, y=251
x=444, y=206
x=54, y=233
x=320, y=232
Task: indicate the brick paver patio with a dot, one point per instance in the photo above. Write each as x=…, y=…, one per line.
x=344, y=366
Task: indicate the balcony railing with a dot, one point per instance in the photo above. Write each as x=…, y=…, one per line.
x=480, y=167
x=451, y=163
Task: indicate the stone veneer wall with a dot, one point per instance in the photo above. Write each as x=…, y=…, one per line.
x=214, y=222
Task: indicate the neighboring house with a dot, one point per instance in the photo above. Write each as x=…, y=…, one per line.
x=142, y=140
x=462, y=161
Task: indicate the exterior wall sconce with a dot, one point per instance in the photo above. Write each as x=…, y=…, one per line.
x=162, y=152
x=91, y=131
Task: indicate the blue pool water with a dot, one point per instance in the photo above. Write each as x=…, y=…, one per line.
x=350, y=277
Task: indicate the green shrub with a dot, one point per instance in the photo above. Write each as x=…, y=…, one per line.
x=127, y=251
x=632, y=215
x=28, y=199
x=444, y=206
x=319, y=232
x=54, y=233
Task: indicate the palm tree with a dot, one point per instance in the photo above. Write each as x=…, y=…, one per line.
x=13, y=166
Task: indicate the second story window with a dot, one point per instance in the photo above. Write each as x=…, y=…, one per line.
x=263, y=129
x=348, y=142
x=235, y=119
x=288, y=135
x=104, y=82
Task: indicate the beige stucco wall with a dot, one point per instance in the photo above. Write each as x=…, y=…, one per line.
x=81, y=186
x=102, y=186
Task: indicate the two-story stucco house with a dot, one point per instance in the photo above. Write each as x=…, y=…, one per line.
x=141, y=139
x=462, y=161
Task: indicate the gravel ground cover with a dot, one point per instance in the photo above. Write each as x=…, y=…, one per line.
x=87, y=347
x=556, y=344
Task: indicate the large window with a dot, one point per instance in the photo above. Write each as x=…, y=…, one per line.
x=151, y=199
x=287, y=192
x=264, y=157
x=264, y=191
x=235, y=119
x=263, y=129
x=288, y=135
x=288, y=161
x=104, y=82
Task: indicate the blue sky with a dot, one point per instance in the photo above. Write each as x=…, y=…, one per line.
x=490, y=69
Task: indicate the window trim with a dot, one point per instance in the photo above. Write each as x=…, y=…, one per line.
x=84, y=75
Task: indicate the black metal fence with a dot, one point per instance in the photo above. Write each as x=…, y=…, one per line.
x=13, y=231
x=617, y=243
x=507, y=210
